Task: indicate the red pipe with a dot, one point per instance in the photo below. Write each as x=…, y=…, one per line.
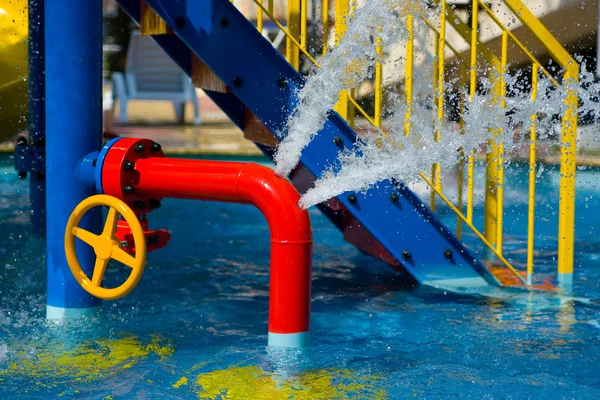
x=291, y=235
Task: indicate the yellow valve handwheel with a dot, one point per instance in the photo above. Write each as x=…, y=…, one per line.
x=106, y=246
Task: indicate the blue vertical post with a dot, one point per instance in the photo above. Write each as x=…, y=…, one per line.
x=73, y=129
x=37, y=111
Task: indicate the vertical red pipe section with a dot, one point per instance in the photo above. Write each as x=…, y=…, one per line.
x=276, y=198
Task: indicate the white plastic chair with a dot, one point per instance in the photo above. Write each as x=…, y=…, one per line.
x=151, y=75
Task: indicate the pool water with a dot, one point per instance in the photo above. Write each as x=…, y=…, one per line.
x=196, y=325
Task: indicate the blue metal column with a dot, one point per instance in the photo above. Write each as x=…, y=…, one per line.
x=74, y=129
x=37, y=111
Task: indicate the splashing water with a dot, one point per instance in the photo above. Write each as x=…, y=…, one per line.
x=343, y=68
x=388, y=153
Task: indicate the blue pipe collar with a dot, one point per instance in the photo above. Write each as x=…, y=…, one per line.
x=86, y=169
x=100, y=163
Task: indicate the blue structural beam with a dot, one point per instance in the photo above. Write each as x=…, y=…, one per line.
x=73, y=129
x=231, y=46
x=37, y=112
x=182, y=55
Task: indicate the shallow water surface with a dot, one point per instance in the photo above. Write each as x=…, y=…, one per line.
x=196, y=325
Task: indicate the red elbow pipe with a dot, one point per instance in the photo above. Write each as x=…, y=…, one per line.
x=155, y=177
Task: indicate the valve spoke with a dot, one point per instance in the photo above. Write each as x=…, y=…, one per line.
x=106, y=246
x=99, y=270
x=123, y=257
x=84, y=235
x=111, y=223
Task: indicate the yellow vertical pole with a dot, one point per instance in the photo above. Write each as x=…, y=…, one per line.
x=351, y=109
x=441, y=60
x=303, y=21
x=439, y=92
x=259, y=18
x=532, y=173
x=292, y=53
x=436, y=78
x=461, y=161
x=342, y=9
x=500, y=172
x=378, y=86
x=472, y=92
x=325, y=18
x=492, y=158
x=568, y=158
x=408, y=74
x=494, y=174
x=351, y=92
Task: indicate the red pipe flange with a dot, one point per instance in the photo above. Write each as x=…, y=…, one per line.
x=120, y=175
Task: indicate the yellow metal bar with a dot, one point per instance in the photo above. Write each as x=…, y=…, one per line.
x=435, y=86
x=378, y=86
x=436, y=177
x=568, y=158
x=259, y=18
x=408, y=74
x=532, y=173
x=474, y=40
x=436, y=68
x=351, y=109
x=288, y=35
x=500, y=177
x=461, y=178
x=361, y=110
x=292, y=53
x=461, y=161
x=352, y=92
x=441, y=59
x=436, y=171
x=517, y=42
x=467, y=34
x=325, y=18
x=475, y=231
x=492, y=170
x=448, y=45
x=342, y=11
x=472, y=93
x=558, y=52
x=303, y=19
x=342, y=106
x=270, y=8
x=470, y=184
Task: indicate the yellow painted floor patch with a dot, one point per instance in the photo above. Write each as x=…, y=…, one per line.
x=87, y=361
x=252, y=383
x=181, y=382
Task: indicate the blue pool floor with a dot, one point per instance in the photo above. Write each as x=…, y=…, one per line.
x=195, y=327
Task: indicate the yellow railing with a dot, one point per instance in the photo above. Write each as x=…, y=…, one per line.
x=348, y=107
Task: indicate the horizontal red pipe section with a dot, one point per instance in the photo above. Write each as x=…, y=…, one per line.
x=276, y=198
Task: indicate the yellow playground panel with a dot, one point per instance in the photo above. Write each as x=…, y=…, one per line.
x=13, y=67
